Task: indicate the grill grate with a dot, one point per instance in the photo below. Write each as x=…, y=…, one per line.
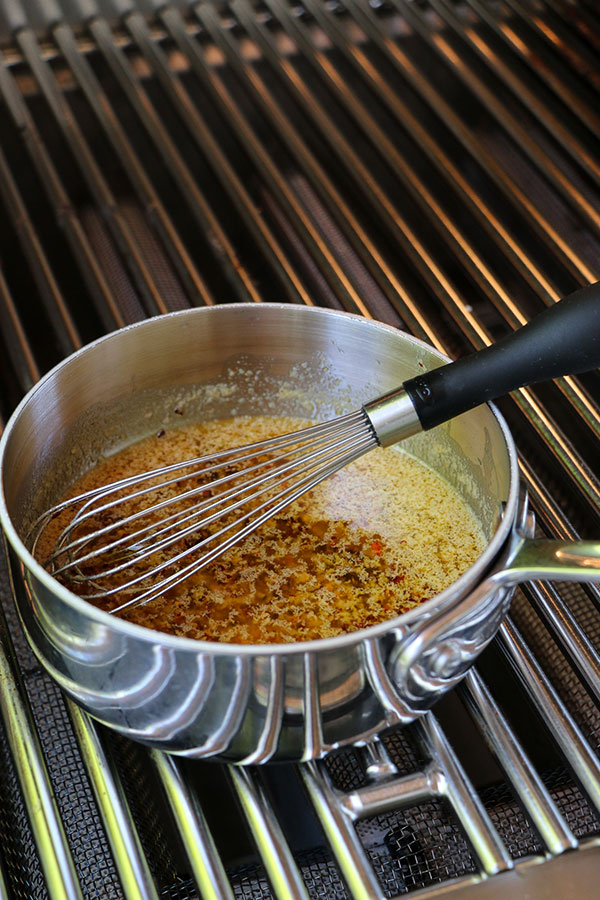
x=431, y=164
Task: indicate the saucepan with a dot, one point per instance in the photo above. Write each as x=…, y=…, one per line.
x=256, y=703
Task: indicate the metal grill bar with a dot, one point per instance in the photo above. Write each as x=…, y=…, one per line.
x=18, y=348
x=569, y=93
x=237, y=274
x=49, y=290
x=98, y=185
x=53, y=848
x=203, y=137
x=320, y=100
x=349, y=852
x=207, y=868
x=64, y=211
x=555, y=714
x=468, y=74
x=131, y=863
x=544, y=813
x=552, y=122
x=502, y=300
x=272, y=845
x=492, y=166
x=577, y=51
x=272, y=177
x=149, y=198
x=337, y=206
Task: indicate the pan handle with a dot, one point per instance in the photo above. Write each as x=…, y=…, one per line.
x=563, y=340
x=435, y=656
x=553, y=560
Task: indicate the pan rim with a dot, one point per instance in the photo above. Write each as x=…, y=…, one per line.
x=472, y=576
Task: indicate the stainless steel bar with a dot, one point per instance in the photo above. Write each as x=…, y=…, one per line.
x=420, y=257
x=542, y=67
x=553, y=517
x=554, y=437
x=270, y=174
x=89, y=265
x=412, y=184
x=550, y=117
x=458, y=790
x=134, y=873
x=339, y=831
x=51, y=842
x=561, y=726
x=280, y=866
x=577, y=18
x=573, y=639
x=467, y=196
x=555, y=175
x=337, y=207
x=154, y=210
x=197, y=127
x=527, y=784
x=462, y=312
x=437, y=41
x=227, y=174
x=233, y=267
x=90, y=170
x=15, y=340
x=58, y=312
x=381, y=797
x=537, y=221
x=565, y=39
x=207, y=868
x=460, y=244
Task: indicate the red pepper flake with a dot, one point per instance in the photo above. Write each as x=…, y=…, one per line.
x=398, y=578
x=376, y=547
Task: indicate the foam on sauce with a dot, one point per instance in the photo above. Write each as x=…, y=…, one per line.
x=381, y=536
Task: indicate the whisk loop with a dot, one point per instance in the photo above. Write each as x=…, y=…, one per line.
x=244, y=486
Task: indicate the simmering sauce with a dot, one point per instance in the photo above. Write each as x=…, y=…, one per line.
x=381, y=536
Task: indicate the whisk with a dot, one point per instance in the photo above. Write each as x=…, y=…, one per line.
x=135, y=539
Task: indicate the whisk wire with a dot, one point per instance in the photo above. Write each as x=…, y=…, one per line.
x=275, y=478
x=269, y=511
x=306, y=456
x=294, y=462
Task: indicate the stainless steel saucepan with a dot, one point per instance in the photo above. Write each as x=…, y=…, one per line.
x=254, y=703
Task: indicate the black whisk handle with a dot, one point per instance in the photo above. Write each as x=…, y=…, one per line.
x=563, y=340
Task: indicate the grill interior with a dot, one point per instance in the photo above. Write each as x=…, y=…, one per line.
x=430, y=164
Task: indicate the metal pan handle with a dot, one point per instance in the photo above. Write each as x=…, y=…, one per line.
x=553, y=560
x=435, y=656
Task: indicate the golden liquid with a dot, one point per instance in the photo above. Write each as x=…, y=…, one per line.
x=381, y=536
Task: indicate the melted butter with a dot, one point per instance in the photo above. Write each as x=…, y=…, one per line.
x=381, y=536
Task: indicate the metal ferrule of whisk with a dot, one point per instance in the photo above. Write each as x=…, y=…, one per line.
x=393, y=417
